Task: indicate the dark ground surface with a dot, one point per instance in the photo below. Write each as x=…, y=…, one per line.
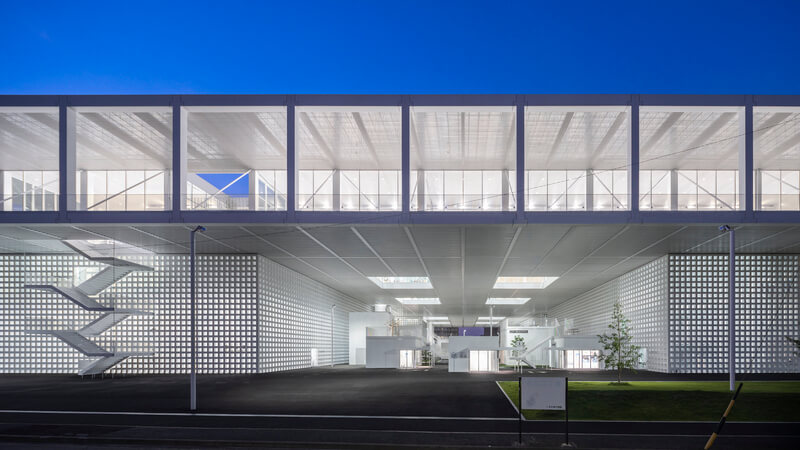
x=443, y=409
x=341, y=390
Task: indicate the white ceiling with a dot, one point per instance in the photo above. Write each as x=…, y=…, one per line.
x=462, y=261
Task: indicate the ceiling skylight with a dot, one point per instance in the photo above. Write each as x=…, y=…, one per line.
x=507, y=301
x=487, y=319
x=419, y=300
x=436, y=319
x=402, y=282
x=523, y=282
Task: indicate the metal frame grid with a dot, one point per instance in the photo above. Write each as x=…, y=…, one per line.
x=294, y=317
x=642, y=294
x=67, y=104
x=767, y=310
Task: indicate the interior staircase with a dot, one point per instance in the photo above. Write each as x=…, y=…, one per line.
x=99, y=359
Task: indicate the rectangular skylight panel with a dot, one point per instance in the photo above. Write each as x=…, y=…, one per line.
x=402, y=282
x=419, y=300
x=436, y=319
x=523, y=282
x=507, y=301
x=487, y=319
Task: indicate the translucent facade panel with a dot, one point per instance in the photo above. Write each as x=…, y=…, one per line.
x=369, y=190
x=462, y=190
x=236, y=158
x=567, y=190
x=359, y=147
x=463, y=158
x=577, y=158
x=690, y=158
x=120, y=154
x=125, y=190
x=767, y=310
x=29, y=159
x=776, y=158
x=642, y=293
x=295, y=320
x=253, y=315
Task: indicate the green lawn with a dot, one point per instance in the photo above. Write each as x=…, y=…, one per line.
x=775, y=401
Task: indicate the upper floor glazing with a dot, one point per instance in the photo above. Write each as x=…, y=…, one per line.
x=400, y=153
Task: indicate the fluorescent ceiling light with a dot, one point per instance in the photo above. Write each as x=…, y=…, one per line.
x=523, y=282
x=486, y=319
x=440, y=323
x=402, y=282
x=419, y=300
x=506, y=301
x=436, y=319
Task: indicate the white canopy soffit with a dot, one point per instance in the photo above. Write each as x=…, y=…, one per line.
x=461, y=263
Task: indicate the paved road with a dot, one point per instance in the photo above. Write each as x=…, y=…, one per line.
x=179, y=429
x=340, y=407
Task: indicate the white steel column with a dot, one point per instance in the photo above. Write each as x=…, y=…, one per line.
x=68, y=129
x=731, y=303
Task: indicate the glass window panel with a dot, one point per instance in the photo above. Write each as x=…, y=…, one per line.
x=537, y=190
x=576, y=190
x=413, y=190
x=434, y=190
x=492, y=190
x=96, y=190
x=791, y=182
x=389, y=187
x=453, y=189
x=323, y=190
x=473, y=188
x=134, y=192
x=33, y=186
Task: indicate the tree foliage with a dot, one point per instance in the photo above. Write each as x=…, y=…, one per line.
x=796, y=343
x=519, y=344
x=619, y=352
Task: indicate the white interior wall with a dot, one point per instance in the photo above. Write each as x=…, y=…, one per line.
x=383, y=352
x=359, y=323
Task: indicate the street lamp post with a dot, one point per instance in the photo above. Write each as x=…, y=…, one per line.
x=192, y=337
x=332, y=308
x=731, y=305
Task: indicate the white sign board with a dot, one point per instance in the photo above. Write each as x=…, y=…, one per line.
x=543, y=393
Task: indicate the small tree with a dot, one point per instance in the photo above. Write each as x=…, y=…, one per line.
x=426, y=358
x=618, y=350
x=519, y=347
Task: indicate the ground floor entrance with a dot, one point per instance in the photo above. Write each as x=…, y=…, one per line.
x=581, y=359
x=482, y=361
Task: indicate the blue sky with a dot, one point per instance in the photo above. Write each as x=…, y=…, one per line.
x=407, y=46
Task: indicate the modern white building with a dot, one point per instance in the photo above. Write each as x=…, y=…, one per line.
x=509, y=211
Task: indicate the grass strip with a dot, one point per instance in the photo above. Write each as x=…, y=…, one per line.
x=759, y=401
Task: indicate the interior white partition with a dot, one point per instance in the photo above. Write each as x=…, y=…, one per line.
x=383, y=352
x=363, y=324
x=461, y=346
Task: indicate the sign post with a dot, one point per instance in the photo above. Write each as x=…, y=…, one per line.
x=544, y=393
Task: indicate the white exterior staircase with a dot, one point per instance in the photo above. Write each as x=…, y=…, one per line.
x=100, y=359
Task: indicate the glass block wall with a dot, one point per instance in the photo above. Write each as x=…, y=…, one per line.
x=678, y=306
x=642, y=294
x=767, y=310
x=252, y=315
x=294, y=320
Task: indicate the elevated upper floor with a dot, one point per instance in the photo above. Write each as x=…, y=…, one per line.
x=400, y=158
